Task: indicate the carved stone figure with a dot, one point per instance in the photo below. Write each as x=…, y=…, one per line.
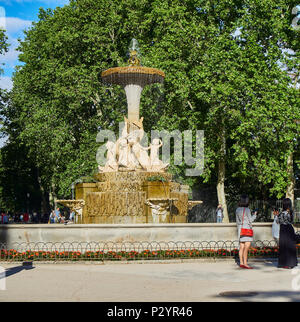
x=141, y=155
x=155, y=163
x=111, y=163
x=138, y=155
x=123, y=152
x=159, y=209
x=128, y=153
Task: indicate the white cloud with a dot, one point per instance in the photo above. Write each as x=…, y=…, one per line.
x=6, y=82
x=2, y=18
x=3, y=141
x=10, y=58
x=16, y=25
x=14, y=30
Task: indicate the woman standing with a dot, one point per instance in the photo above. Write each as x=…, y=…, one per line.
x=287, y=243
x=244, y=219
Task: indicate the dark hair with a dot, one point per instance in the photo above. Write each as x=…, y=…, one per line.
x=244, y=201
x=287, y=204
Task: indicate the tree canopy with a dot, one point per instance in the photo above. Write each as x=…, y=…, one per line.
x=227, y=66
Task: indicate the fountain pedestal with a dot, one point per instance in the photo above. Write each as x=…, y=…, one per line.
x=125, y=197
x=133, y=96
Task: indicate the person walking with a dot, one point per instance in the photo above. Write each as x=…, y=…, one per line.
x=287, y=241
x=5, y=218
x=26, y=217
x=57, y=216
x=244, y=220
x=219, y=213
x=52, y=217
x=275, y=226
x=34, y=218
x=72, y=216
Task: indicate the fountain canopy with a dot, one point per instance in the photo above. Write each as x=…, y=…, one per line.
x=134, y=74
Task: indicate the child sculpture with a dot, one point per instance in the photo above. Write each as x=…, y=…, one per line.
x=155, y=163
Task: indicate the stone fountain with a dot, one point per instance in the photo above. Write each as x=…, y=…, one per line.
x=133, y=187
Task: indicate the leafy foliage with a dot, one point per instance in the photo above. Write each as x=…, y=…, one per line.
x=223, y=63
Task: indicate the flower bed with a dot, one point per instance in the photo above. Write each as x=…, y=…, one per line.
x=14, y=255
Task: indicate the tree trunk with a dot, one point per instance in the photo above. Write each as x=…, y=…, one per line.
x=221, y=190
x=45, y=203
x=221, y=177
x=44, y=200
x=52, y=197
x=291, y=178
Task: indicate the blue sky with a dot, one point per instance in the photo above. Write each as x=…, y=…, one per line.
x=15, y=16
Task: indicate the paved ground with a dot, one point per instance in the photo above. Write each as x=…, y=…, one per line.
x=193, y=281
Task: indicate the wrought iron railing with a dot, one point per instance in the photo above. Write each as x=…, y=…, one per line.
x=102, y=251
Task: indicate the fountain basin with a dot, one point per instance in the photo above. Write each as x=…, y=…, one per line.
x=138, y=75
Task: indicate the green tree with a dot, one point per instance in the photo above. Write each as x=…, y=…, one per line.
x=268, y=135
x=58, y=96
x=3, y=43
x=3, y=49
x=18, y=186
x=221, y=60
